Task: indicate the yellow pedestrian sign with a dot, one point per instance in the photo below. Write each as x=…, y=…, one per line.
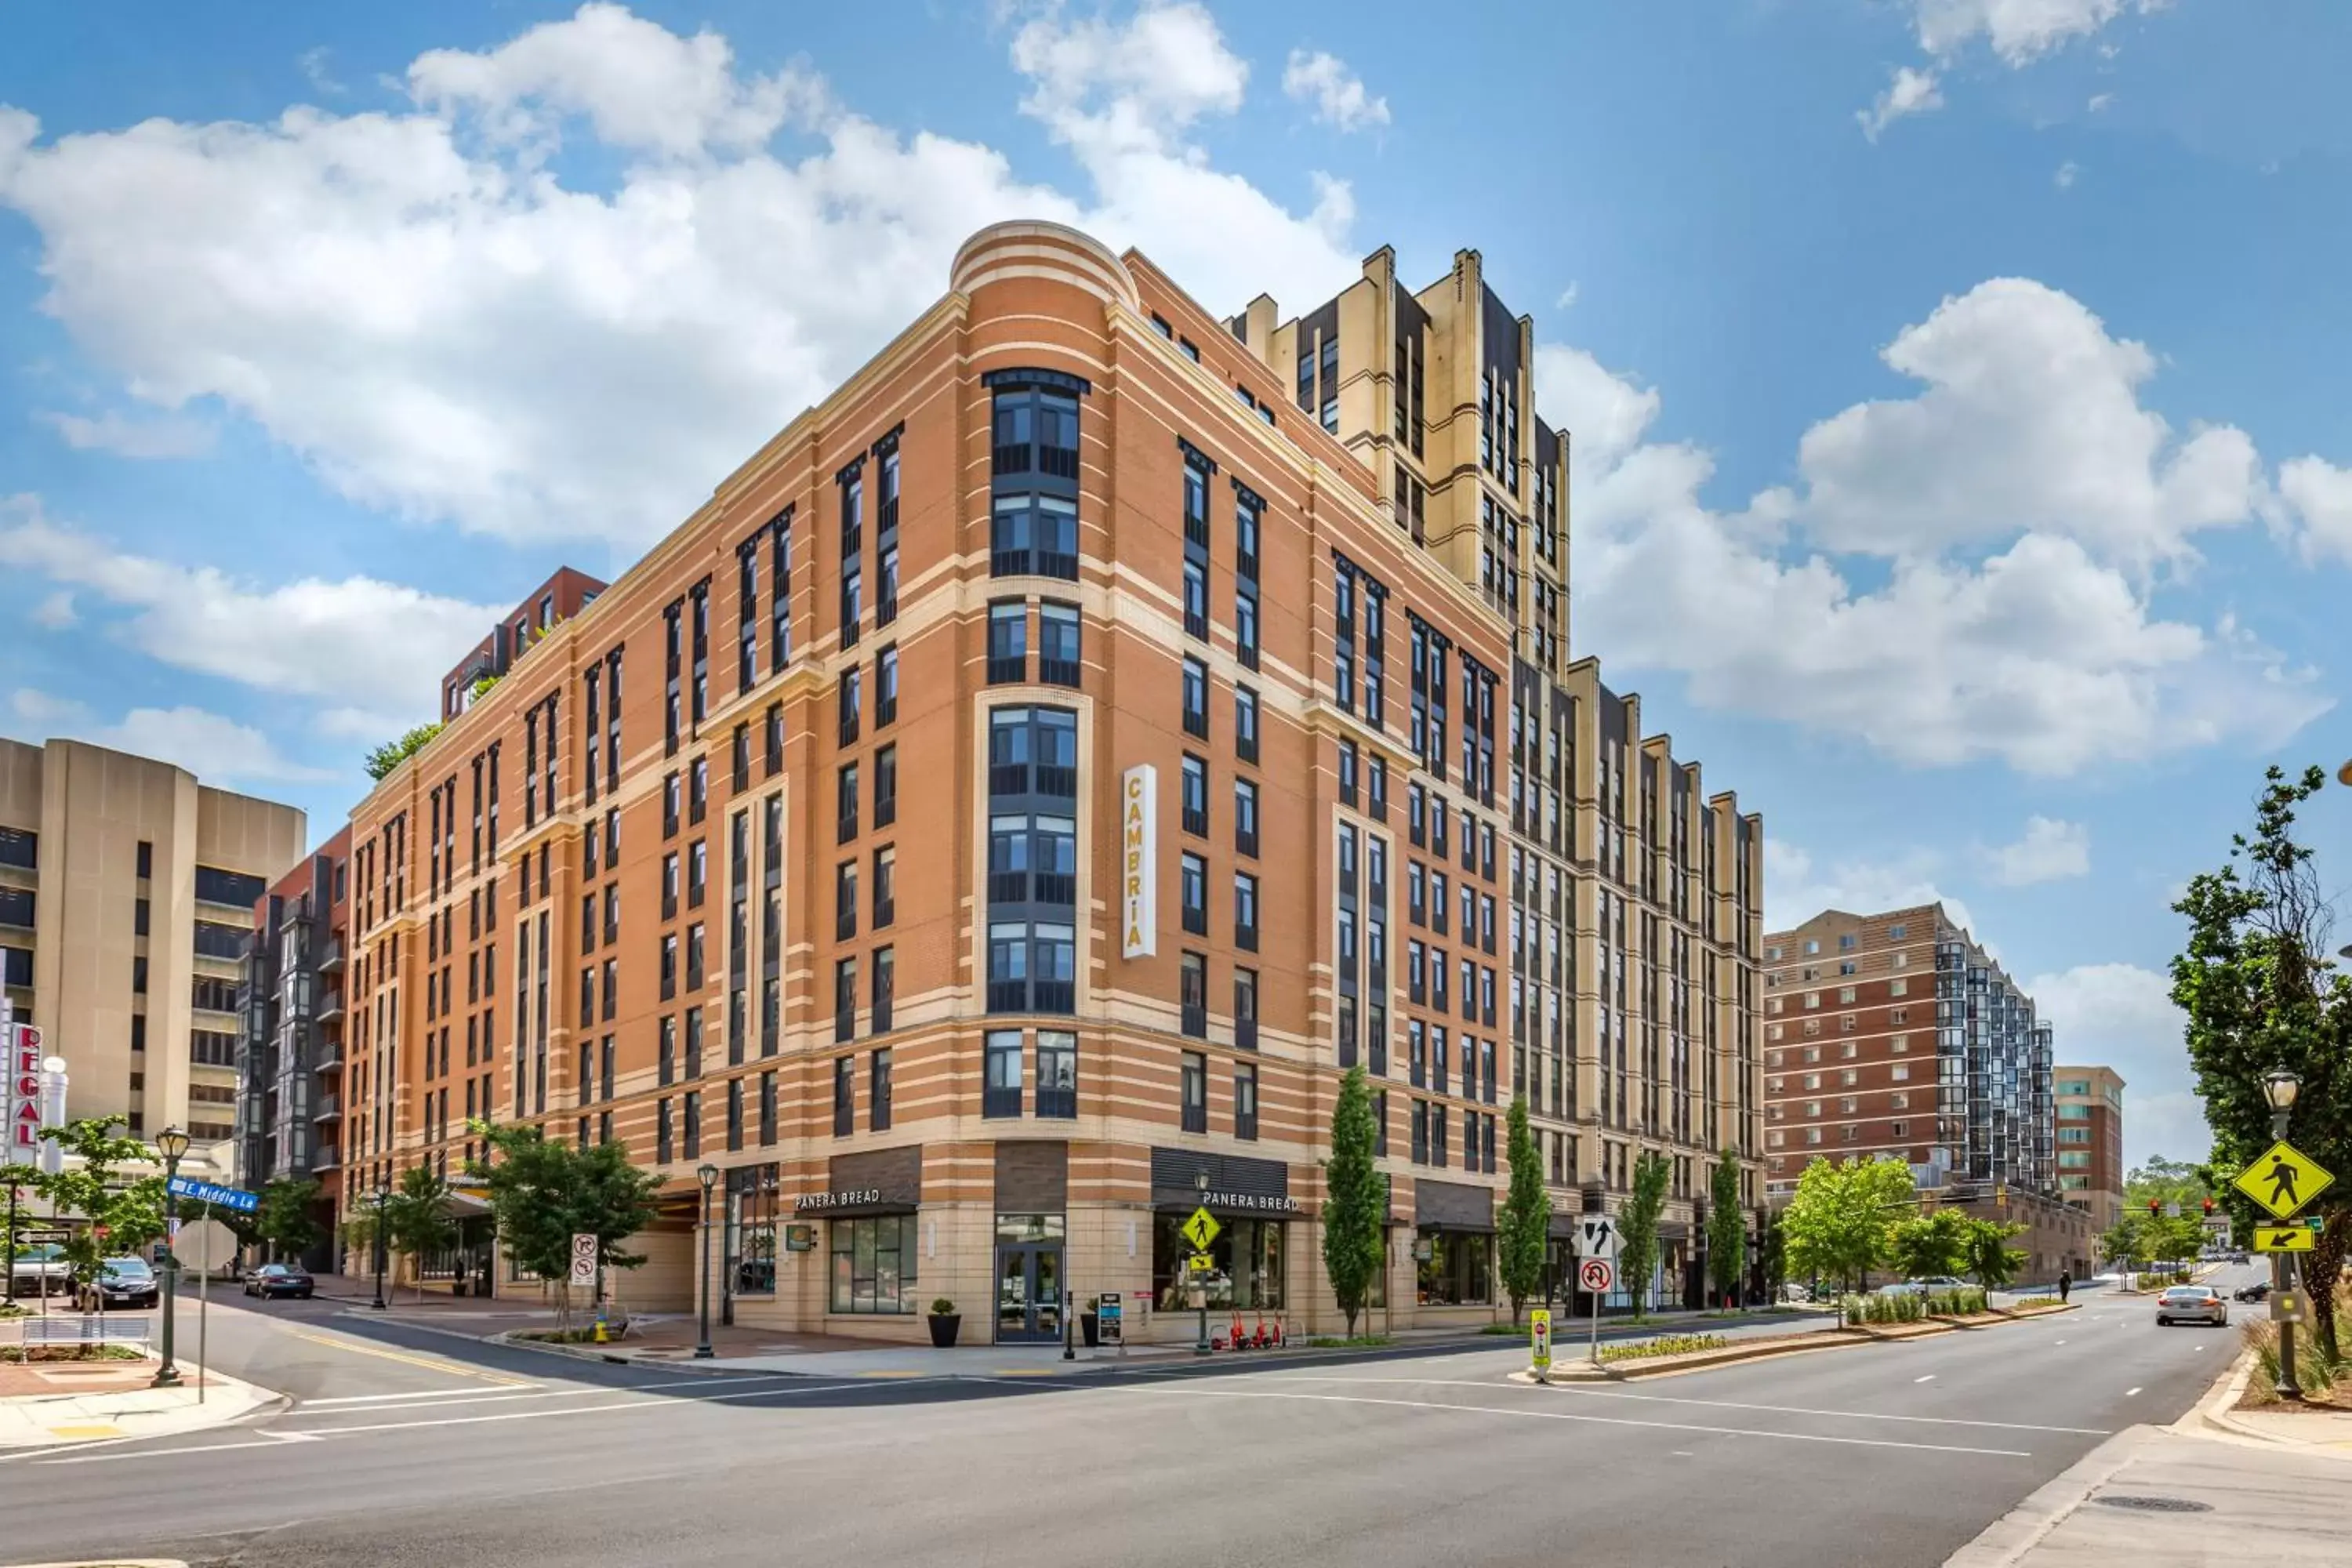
x=1201, y=1230
x=2284, y=1179
x=2284, y=1239
x=1539, y=1339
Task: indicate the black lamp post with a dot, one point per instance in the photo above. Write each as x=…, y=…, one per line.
x=708, y=1177
x=2280, y=1087
x=1201, y=1345
x=172, y=1144
x=382, y=1242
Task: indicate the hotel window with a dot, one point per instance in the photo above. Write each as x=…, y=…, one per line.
x=1245, y=725
x=1193, y=893
x=1008, y=641
x=885, y=686
x=1246, y=627
x=885, y=786
x=845, y=901
x=1057, y=1074
x=1000, y=1092
x=844, y=803
x=1057, y=644
x=1196, y=600
x=885, y=986
x=885, y=887
x=1245, y=817
x=845, y=1096
x=852, y=481
x=1195, y=1090
x=1246, y=911
x=877, y=1092
x=1193, y=802
x=1245, y=1009
x=1246, y=1099
x=1196, y=697
x=1192, y=995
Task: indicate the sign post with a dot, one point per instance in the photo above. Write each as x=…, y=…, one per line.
x=1199, y=1229
x=2282, y=1181
x=1539, y=1343
x=1596, y=1275
x=1108, y=1330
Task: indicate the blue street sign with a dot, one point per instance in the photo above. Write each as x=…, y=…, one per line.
x=235, y=1198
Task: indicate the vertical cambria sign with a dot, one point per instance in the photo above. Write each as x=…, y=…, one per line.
x=1138, y=810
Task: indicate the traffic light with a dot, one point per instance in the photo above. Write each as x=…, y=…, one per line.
x=2155, y=1208
x=2209, y=1207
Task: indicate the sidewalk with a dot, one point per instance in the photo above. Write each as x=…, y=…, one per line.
x=86, y=1409
x=2218, y=1487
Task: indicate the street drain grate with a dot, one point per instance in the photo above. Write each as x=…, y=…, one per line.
x=2157, y=1504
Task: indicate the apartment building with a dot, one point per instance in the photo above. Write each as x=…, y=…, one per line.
x=982, y=833
x=126, y=893
x=2090, y=1101
x=291, y=1055
x=1898, y=1036
x=1633, y=901
x=550, y=605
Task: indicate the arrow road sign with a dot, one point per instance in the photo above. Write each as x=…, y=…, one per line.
x=2284, y=1179
x=2284, y=1239
x=1596, y=1275
x=1596, y=1236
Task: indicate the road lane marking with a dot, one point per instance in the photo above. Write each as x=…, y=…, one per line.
x=435, y=1365
x=2129, y=1392
x=1583, y=1393
x=1929, y=1378
x=1163, y=1390
x=375, y=1398
x=345, y=1405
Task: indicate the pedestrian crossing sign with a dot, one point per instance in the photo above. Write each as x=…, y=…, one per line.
x=2284, y=1179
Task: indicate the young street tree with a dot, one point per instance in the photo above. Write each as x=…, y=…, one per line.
x=123, y=1215
x=416, y=1221
x=2261, y=993
x=1924, y=1244
x=1991, y=1259
x=1726, y=1228
x=1637, y=1226
x=1841, y=1220
x=1355, y=1199
x=1526, y=1219
x=544, y=1191
x=288, y=1219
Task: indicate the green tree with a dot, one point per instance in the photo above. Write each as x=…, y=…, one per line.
x=1726, y=1228
x=1841, y=1219
x=391, y=753
x=417, y=1220
x=544, y=1191
x=2259, y=991
x=1991, y=1258
x=1355, y=1200
x=1772, y=1259
x=1526, y=1218
x=91, y=1186
x=1637, y=1226
x=2169, y=1182
x=288, y=1219
x=2125, y=1242
x=1937, y=1243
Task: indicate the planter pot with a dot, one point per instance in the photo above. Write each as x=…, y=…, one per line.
x=456, y=1286
x=1090, y=1326
x=943, y=1330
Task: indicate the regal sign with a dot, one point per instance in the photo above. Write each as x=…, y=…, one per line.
x=23, y=1100
x=1138, y=878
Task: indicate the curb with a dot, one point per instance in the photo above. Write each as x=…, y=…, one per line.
x=1824, y=1339
x=2010, y=1539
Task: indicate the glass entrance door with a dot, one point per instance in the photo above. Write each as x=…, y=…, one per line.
x=1028, y=1293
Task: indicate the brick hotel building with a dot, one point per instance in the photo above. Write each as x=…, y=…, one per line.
x=983, y=832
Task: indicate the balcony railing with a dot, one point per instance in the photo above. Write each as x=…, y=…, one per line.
x=1057, y=671
x=1055, y=888
x=1054, y=996
x=328, y=1108
x=331, y=1007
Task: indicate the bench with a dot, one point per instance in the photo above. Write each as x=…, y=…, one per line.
x=85, y=1328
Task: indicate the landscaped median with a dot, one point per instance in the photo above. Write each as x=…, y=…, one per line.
x=1669, y=1353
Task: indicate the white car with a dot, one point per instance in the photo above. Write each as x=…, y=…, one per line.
x=2192, y=1304
x=44, y=1262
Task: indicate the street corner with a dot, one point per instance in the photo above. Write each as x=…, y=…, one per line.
x=202, y=1400
x=1564, y=1372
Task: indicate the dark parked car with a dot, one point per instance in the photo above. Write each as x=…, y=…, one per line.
x=2260, y=1290
x=124, y=1282
x=279, y=1279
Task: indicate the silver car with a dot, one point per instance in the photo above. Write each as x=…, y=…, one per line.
x=2192, y=1304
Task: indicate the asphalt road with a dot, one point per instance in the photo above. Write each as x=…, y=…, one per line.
x=1884, y=1456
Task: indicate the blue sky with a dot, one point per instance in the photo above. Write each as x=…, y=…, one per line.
x=1963, y=463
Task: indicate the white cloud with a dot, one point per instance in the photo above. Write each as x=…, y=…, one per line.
x=1795, y=891
x=2099, y=102
x=357, y=641
x=418, y=304
x=2318, y=496
x=2068, y=172
x=170, y=437
x=1567, y=299
x=313, y=66
x=218, y=751
x=2050, y=851
x=1910, y=91
x=1336, y=92
x=2021, y=499
x=2121, y=1016
x=56, y=613
x=2019, y=31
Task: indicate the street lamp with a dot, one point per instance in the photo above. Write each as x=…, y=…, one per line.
x=172, y=1144
x=382, y=1242
x=1201, y=1345
x=2280, y=1086
x=708, y=1177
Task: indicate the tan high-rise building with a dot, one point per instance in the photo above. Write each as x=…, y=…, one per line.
x=2090, y=1141
x=126, y=894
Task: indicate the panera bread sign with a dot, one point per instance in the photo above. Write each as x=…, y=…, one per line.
x=1139, y=819
x=859, y=1197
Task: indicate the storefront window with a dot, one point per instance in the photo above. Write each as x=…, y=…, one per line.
x=1456, y=1273
x=752, y=1194
x=874, y=1264
x=1249, y=1258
